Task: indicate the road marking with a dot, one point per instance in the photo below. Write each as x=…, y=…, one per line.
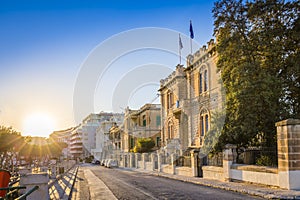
x=98, y=190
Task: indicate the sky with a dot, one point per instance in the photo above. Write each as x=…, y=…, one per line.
x=61, y=60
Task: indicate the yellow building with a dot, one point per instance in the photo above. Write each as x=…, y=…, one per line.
x=142, y=123
x=173, y=93
x=189, y=97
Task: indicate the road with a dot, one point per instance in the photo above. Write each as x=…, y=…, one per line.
x=126, y=184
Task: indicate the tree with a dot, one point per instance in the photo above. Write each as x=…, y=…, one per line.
x=144, y=145
x=258, y=48
x=10, y=142
x=212, y=136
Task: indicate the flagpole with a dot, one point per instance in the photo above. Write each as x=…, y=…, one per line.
x=191, y=46
x=179, y=50
x=179, y=56
x=180, y=46
x=191, y=36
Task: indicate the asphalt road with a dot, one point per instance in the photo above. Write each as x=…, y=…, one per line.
x=135, y=185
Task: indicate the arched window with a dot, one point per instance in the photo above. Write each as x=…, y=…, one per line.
x=200, y=83
x=144, y=120
x=205, y=81
x=204, y=123
x=170, y=130
x=170, y=100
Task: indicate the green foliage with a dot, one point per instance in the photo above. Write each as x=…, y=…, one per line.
x=10, y=139
x=264, y=160
x=144, y=145
x=10, y=142
x=53, y=150
x=211, y=139
x=258, y=55
x=89, y=159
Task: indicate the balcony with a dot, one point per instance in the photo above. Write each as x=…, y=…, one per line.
x=76, y=151
x=76, y=147
x=177, y=112
x=143, y=131
x=75, y=142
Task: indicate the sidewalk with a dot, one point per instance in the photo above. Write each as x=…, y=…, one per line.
x=241, y=187
x=61, y=187
x=89, y=186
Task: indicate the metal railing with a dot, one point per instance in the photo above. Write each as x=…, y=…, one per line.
x=23, y=197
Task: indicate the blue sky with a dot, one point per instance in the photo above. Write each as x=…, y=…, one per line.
x=45, y=43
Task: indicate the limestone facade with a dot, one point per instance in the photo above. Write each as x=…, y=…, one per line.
x=142, y=123
x=173, y=95
x=204, y=92
x=189, y=97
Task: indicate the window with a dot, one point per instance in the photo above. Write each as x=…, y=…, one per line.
x=204, y=123
x=170, y=100
x=131, y=142
x=157, y=141
x=158, y=120
x=205, y=81
x=200, y=83
x=144, y=120
x=170, y=130
x=201, y=126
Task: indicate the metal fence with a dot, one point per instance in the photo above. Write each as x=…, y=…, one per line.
x=266, y=156
x=213, y=160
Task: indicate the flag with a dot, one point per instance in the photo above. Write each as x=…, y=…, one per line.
x=191, y=30
x=180, y=43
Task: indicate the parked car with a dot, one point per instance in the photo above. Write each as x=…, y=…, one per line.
x=106, y=162
x=112, y=163
x=102, y=162
x=97, y=162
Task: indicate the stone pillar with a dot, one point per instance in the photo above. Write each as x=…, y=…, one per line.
x=159, y=162
x=194, y=162
x=31, y=180
x=123, y=160
x=153, y=160
x=137, y=158
x=288, y=139
x=53, y=171
x=173, y=162
x=131, y=160
x=144, y=159
x=228, y=160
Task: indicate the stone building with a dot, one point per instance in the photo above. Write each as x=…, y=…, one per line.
x=189, y=97
x=142, y=123
x=174, y=116
x=203, y=92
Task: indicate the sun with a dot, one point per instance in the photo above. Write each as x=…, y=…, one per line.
x=38, y=124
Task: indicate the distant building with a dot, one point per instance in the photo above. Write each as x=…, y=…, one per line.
x=102, y=135
x=76, y=147
x=83, y=138
x=142, y=123
x=63, y=136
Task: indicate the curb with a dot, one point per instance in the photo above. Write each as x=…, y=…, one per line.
x=267, y=193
